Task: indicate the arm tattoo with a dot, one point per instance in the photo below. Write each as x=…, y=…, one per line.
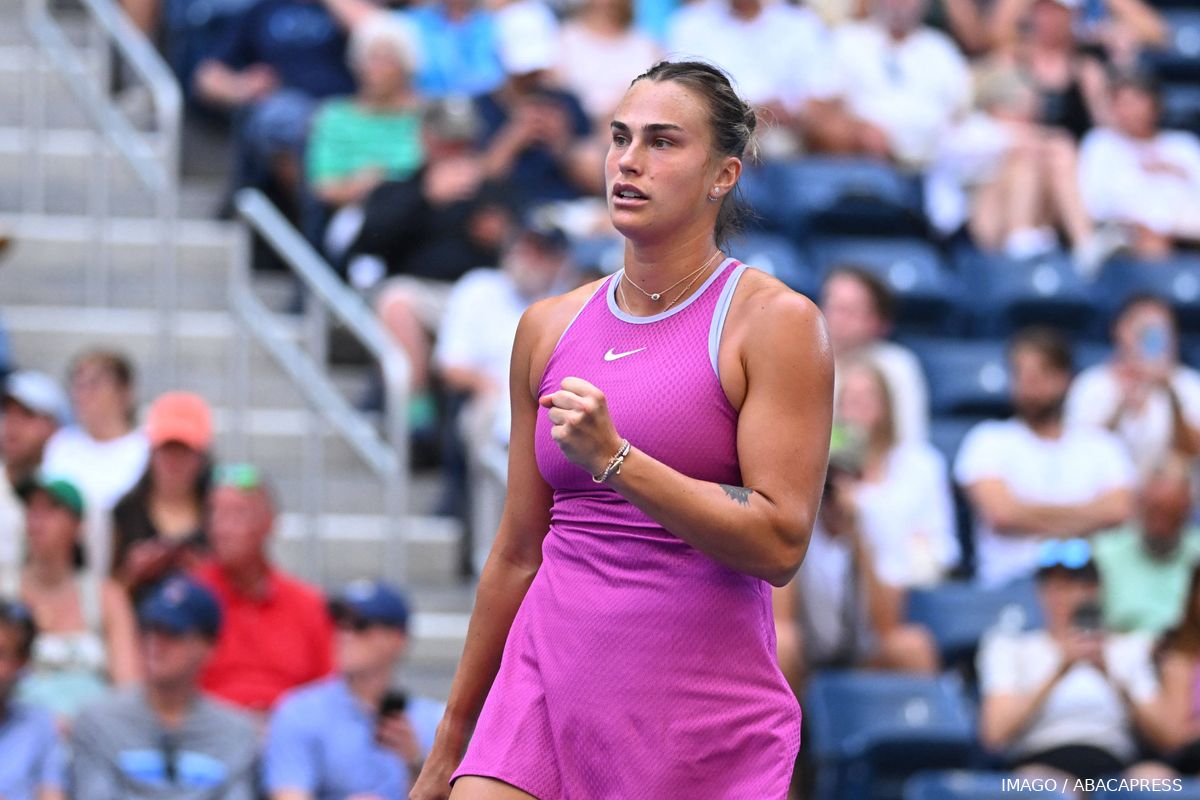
x=739, y=493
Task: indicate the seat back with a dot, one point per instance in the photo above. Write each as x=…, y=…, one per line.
x=964, y=785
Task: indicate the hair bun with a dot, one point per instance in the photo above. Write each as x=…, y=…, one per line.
x=750, y=116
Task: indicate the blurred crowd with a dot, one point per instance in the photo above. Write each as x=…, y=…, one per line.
x=445, y=157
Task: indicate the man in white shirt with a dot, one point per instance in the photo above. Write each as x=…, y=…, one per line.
x=778, y=55
x=1134, y=174
x=1033, y=477
x=1143, y=394
x=32, y=407
x=904, y=79
x=859, y=309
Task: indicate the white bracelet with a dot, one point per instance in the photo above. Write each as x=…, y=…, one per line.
x=614, y=464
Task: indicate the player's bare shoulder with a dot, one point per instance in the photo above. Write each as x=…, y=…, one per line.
x=764, y=307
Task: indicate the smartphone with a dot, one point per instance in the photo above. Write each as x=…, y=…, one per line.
x=394, y=702
x=1153, y=341
x=1087, y=618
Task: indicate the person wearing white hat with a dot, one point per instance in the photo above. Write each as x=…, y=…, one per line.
x=32, y=407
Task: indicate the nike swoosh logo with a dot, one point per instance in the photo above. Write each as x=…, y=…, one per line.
x=611, y=356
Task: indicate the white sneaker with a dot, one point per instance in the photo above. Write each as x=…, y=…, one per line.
x=1089, y=255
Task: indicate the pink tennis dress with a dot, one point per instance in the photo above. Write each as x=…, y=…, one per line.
x=638, y=667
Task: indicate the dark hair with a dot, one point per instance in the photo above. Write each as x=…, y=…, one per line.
x=882, y=296
x=1139, y=80
x=1148, y=299
x=1048, y=343
x=1185, y=637
x=731, y=120
x=18, y=617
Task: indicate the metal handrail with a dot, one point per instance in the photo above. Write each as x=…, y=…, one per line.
x=386, y=455
x=153, y=158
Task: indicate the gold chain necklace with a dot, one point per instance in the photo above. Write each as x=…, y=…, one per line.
x=656, y=296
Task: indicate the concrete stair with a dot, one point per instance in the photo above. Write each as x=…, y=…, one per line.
x=60, y=294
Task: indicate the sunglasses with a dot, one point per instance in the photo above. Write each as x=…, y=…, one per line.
x=1066, y=554
x=246, y=477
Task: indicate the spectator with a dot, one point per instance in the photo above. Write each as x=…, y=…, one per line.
x=780, y=57
x=904, y=82
x=1145, y=567
x=166, y=739
x=1013, y=181
x=474, y=347
x=1069, y=80
x=1067, y=701
x=32, y=407
x=859, y=309
x=1143, y=394
x=1136, y=175
x=1179, y=665
x=32, y=767
x=600, y=53
x=425, y=233
x=837, y=613
x=158, y=528
x=903, y=499
x=353, y=734
x=275, y=634
x=1115, y=29
x=359, y=142
x=86, y=625
x=1033, y=477
x=103, y=453
x=535, y=137
x=275, y=65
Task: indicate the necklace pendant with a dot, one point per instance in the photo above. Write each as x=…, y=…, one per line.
x=656, y=297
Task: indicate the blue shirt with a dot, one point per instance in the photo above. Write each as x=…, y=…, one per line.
x=321, y=740
x=299, y=39
x=458, y=56
x=31, y=756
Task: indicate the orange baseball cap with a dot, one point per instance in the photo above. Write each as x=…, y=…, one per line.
x=180, y=417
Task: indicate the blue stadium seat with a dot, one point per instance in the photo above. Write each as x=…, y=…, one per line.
x=964, y=785
x=959, y=613
x=1181, y=107
x=1005, y=294
x=966, y=378
x=835, y=195
x=1177, y=280
x=1180, y=60
x=1189, y=791
x=913, y=268
x=775, y=254
x=869, y=731
x=946, y=434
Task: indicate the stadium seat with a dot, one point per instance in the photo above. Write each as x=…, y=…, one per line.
x=1181, y=107
x=964, y=785
x=913, y=268
x=966, y=378
x=959, y=613
x=1004, y=294
x=835, y=195
x=869, y=731
x=1177, y=280
x=946, y=434
x=1180, y=60
x=775, y=254
x=1189, y=791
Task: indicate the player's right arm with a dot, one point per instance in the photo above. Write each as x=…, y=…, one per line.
x=516, y=554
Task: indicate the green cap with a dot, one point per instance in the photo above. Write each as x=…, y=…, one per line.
x=61, y=491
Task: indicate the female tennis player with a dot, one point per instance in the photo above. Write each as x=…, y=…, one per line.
x=670, y=429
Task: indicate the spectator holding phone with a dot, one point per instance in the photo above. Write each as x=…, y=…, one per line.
x=1066, y=701
x=353, y=734
x=1143, y=394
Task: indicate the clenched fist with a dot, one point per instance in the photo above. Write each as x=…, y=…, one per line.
x=582, y=427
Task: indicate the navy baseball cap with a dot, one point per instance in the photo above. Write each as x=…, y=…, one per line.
x=373, y=602
x=181, y=606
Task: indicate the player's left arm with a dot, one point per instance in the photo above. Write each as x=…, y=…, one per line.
x=761, y=528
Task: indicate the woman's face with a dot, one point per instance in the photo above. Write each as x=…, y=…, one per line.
x=51, y=529
x=860, y=403
x=1135, y=112
x=380, y=72
x=174, y=465
x=98, y=398
x=1061, y=594
x=660, y=167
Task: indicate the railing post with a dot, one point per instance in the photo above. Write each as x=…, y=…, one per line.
x=317, y=344
x=239, y=285
x=34, y=200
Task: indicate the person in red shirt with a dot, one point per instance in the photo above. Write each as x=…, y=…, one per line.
x=277, y=633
